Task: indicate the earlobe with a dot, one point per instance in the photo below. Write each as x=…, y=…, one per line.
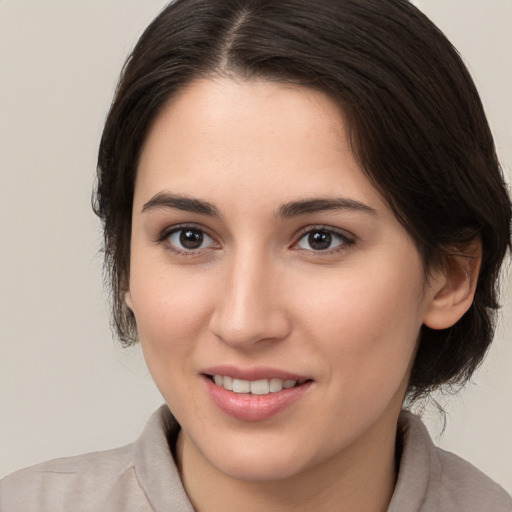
x=128, y=300
x=454, y=287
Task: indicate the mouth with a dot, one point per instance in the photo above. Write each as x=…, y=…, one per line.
x=255, y=393
x=255, y=387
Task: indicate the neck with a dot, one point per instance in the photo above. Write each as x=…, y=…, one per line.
x=359, y=479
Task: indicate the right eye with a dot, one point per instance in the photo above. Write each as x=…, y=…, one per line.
x=186, y=240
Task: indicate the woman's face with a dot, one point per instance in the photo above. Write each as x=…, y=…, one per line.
x=262, y=257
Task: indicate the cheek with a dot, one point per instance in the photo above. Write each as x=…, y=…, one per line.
x=172, y=311
x=367, y=323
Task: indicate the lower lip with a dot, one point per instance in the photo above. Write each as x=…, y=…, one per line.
x=248, y=407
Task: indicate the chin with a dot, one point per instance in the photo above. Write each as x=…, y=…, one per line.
x=259, y=459
x=261, y=468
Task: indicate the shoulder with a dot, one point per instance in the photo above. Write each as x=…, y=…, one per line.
x=431, y=479
x=464, y=485
x=71, y=483
x=141, y=476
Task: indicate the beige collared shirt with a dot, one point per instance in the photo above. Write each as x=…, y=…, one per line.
x=142, y=477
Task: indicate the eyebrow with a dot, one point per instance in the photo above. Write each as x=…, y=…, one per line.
x=285, y=211
x=179, y=202
x=314, y=205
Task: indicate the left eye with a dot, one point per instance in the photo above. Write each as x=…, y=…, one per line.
x=190, y=239
x=322, y=240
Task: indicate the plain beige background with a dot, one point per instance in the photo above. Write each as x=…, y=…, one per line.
x=65, y=385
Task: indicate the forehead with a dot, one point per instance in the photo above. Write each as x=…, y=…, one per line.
x=248, y=137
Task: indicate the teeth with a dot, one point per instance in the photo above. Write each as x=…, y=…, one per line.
x=275, y=385
x=227, y=382
x=260, y=387
x=240, y=386
x=256, y=387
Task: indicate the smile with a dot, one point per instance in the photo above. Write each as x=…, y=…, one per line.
x=254, y=400
x=254, y=387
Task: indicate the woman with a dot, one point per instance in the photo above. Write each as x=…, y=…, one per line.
x=304, y=224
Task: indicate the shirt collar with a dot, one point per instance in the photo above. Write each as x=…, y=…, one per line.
x=154, y=465
x=419, y=468
x=415, y=490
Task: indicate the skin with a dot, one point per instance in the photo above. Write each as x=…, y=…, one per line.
x=257, y=293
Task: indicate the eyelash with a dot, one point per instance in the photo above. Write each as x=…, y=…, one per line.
x=164, y=236
x=344, y=240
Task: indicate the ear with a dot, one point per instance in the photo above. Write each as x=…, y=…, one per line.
x=128, y=300
x=453, y=287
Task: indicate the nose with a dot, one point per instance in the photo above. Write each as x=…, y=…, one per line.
x=250, y=308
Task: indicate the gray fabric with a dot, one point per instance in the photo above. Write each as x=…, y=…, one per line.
x=142, y=477
x=433, y=480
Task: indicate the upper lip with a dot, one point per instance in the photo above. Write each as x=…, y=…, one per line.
x=253, y=373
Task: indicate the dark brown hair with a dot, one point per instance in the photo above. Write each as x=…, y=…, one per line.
x=416, y=125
